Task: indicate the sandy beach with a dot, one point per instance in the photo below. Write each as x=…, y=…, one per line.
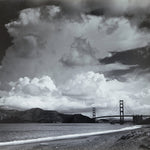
x=138, y=139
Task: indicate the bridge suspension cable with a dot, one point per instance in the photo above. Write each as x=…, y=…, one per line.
x=128, y=110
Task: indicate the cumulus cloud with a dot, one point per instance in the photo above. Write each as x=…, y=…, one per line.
x=41, y=92
x=109, y=6
x=43, y=39
x=46, y=42
x=136, y=11
x=79, y=94
x=81, y=53
x=103, y=93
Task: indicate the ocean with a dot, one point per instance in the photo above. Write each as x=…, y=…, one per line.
x=33, y=132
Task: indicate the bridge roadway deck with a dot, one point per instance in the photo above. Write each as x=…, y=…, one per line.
x=118, y=116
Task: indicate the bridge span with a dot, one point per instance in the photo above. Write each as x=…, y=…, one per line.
x=118, y=116
x=137, y=119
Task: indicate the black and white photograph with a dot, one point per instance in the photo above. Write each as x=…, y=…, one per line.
x=74, y=74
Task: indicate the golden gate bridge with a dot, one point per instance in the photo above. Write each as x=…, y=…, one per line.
x=136, y=119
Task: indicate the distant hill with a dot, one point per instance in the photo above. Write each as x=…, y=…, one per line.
x=38, y=115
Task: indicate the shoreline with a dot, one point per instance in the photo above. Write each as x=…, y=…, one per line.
x=66, y=137
x=127, y=139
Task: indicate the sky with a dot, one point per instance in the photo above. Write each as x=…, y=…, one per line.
x=52, y=59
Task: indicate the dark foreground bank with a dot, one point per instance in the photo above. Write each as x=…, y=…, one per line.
x=138, y=139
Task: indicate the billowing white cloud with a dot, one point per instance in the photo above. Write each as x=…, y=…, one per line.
x=81, y=53
x=66, y=51
x=129, y=5
x=111, y=7
x=41, y=92
x=98, y=91
x=79, y=94
x=43, y=39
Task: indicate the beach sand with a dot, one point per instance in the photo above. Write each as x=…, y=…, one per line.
x=138, y=139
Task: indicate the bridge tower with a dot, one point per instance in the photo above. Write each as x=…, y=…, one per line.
x=121, y=106
x=94, y=112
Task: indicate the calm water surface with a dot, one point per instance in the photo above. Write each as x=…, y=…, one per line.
x=11, y=132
